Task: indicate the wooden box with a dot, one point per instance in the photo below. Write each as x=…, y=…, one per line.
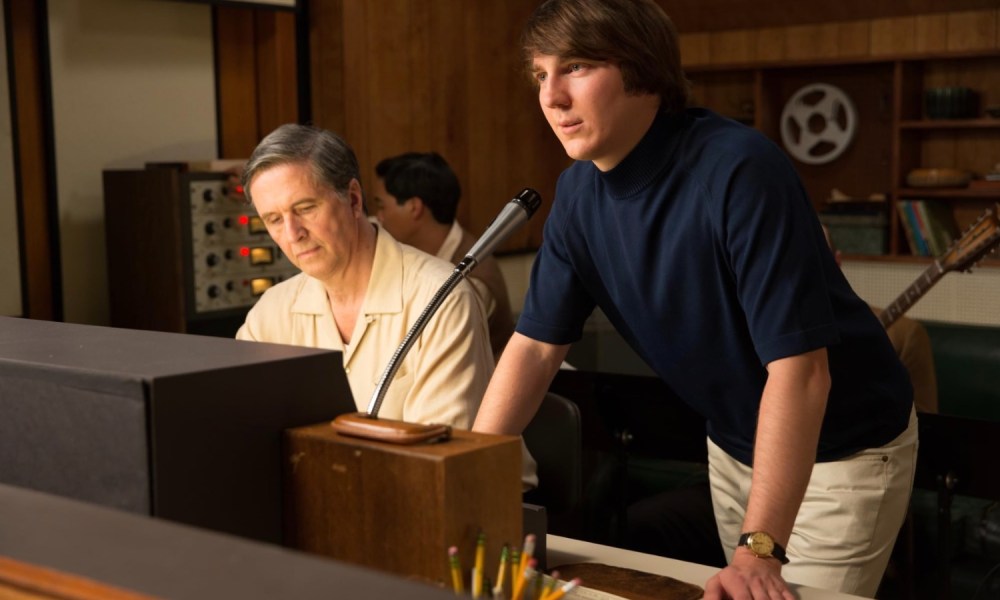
x=398, y=508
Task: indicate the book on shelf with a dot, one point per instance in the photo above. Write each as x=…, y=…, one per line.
x=922, y=230
x=939, y=223
x=911, y=227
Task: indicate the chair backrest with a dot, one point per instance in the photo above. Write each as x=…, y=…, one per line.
x=554, y=438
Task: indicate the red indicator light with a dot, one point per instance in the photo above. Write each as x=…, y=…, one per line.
x=244, y=219
x=244, y=251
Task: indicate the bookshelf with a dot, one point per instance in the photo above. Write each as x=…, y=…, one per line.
x=971, y=144
x=884, y=66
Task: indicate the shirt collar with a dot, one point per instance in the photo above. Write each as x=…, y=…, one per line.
x=311, y=299
x=385, y=288
x=653, y=152
x=451, y=242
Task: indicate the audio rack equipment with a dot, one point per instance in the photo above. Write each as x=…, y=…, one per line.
x=183, y=254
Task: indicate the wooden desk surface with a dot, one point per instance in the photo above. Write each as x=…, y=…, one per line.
x=561, y=550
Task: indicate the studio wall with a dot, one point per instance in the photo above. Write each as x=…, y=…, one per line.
x=132, y=82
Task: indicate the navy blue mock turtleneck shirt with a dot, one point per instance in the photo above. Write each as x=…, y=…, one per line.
x=704, y=251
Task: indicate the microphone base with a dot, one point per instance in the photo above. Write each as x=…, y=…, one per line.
x=361, y=425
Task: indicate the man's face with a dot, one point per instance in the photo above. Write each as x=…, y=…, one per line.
x=586, y=105
x=314, y=226
x=398, y=219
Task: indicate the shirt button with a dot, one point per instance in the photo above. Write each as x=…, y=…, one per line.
x=369, y=319
x=347, y=370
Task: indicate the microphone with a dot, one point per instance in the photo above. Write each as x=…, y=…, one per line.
x=513, y=215
x=367, y=424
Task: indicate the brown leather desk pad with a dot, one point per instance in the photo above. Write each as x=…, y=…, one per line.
x=629, y=583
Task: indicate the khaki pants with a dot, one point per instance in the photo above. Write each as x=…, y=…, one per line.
x=848, y=522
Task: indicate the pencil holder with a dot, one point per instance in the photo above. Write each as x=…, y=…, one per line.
x=518, y=576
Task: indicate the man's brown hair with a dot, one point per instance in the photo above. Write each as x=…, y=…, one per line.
x=636, y=35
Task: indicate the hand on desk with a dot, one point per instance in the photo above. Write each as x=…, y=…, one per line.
x=748, y=577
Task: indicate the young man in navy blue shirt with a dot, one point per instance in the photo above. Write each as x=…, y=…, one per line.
x=695, y=237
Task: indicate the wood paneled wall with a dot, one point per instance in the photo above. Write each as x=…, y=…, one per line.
x=720, y=15
x=256, y=73
x=910, y=36
x=394, y=76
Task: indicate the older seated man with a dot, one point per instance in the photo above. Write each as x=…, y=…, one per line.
x=360, y=290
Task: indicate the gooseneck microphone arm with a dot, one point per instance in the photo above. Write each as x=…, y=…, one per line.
x=514, y=214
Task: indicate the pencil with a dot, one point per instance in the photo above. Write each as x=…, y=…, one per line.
x=526, y=552
x=569, y=587
x=526, y=579
x=550, y=586
x=498, y=589
x=456, y=570
x=477, y=573
x=515, y=566
x=538, y=583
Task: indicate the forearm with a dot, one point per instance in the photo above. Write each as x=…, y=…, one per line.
x=788, y=426
x=521, y=379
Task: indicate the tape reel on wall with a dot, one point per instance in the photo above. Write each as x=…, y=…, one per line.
x=818, y=123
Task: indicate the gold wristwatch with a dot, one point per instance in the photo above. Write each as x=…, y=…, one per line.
x=763, y=546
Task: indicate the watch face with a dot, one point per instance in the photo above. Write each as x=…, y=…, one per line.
x=760, y=544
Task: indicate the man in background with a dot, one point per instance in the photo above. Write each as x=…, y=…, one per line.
x=416, y=197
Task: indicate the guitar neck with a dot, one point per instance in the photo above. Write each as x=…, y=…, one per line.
x=980, y=239
x=914, y=292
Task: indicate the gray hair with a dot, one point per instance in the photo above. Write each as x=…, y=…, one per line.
x=330, y=159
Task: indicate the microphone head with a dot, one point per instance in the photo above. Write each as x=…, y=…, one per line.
x=529, y=200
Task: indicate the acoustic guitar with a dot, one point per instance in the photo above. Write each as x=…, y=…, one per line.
x=981, y=238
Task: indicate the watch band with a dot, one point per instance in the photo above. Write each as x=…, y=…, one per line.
x=763, y=545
